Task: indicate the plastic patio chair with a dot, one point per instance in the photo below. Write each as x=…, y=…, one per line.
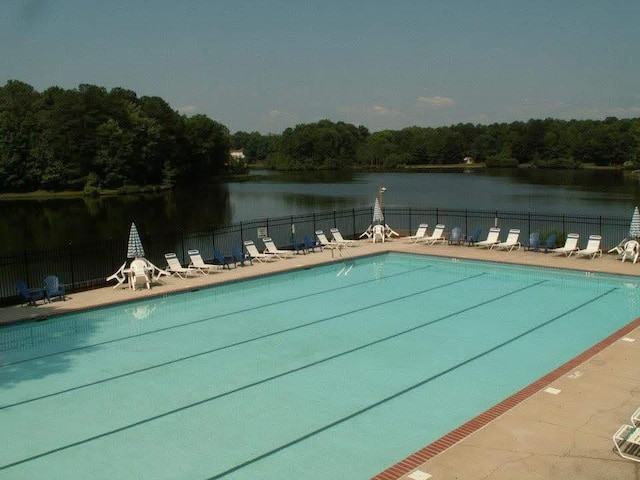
x=53, y=288
x=30, y=295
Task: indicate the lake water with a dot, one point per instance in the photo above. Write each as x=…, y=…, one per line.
x=41, y=224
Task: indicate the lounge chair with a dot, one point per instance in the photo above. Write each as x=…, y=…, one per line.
x=239, y=257
x=550, y=242
x=456, y=236
x=156, y=272
x=592, y=249
x=53, y=288
x=30, y=295
x=492, y=238
x=254, y=254
x=626, y=441
x=534, y=242
x=635, y=418
x=322, y=239
x=139, y=271
x=570, y=245
x=325, y=243
x=175, y=268
x=337, y=237
x=223, y=261
x=619, y=249
x=510, y=243
x=378, y=233
x=197, y=262
x=390, y=232
x=436, y=236
x=474, y=237
x=420, y=232
x=272, y=249
x=631, y=250
x=310, y=244
x=120, y=276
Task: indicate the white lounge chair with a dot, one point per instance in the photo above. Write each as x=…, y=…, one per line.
x=630, y=251
x=175, y=268
x=120, y=276
x=420, y=232
x=199, y=264
x=570, y=245
x=253, y=252
x=619, y=249
x=592, y=249
x=333, y=246
x=378, y=233
x=510, y=243
x=139, y=271
x=322, y=239
x=337, y=237
x=626, y=441
x=635, y=418
x=272, y=249
x=493, y=238
x=436, y=236
x=389, y=232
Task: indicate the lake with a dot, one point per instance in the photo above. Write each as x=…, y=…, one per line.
x=42, y=224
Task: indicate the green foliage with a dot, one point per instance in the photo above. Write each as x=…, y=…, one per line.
x=90, y=138
x=499, y=161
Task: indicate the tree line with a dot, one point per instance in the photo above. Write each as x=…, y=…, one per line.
x=545, y=143
x=93, y=139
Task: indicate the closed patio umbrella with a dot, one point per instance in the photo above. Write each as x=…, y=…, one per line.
x=134, y=247
x=378, y=217
x=634, y=228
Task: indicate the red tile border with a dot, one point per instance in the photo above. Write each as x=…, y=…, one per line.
x=450, y=439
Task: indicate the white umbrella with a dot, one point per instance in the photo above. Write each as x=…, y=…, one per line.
x=634, y=228
x=378, y=217
x=134, y=247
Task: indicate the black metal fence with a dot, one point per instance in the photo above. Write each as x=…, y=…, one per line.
x=82, y=267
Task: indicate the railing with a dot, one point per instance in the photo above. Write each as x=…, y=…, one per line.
x=83, y=267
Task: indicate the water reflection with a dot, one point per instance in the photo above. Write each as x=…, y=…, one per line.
x=40, y=224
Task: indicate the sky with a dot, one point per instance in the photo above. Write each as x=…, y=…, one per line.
x=266, y=65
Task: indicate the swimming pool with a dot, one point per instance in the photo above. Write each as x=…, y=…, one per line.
x=334, y=372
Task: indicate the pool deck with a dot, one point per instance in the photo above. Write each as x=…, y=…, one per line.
x=530, y=436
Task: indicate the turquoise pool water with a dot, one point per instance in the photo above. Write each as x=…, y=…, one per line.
x=333, y=372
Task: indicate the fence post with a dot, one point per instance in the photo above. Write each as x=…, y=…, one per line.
x=353, y=213
x=26, y=268
x=241, y=235
x=466, y=222
x=335, y=222
x=182, y=242
x=529, y=222
x=437, y=216
x=314, y=225
x=71, y=265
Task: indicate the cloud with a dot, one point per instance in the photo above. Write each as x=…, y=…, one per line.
x=186, y=109
x=436, y=101
x=369, y=110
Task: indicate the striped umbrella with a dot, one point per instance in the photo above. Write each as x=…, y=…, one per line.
x=378, y=217
x=634, y=228
x=134, y=248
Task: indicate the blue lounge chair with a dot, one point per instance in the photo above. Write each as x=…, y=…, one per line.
x=222, y=260
x=30, y=295
x=239, y=257
x=474, y=237
x=534, y=242
x=53, y=288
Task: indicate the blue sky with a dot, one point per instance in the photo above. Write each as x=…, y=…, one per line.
x=267, y=65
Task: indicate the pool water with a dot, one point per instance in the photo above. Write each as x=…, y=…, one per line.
x=338, y=371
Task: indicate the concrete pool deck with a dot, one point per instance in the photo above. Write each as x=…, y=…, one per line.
x=532, y=435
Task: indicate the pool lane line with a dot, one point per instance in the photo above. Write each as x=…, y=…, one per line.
x=279, y=375
x=232, y=345
x=401, y=392
x=207, y=319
